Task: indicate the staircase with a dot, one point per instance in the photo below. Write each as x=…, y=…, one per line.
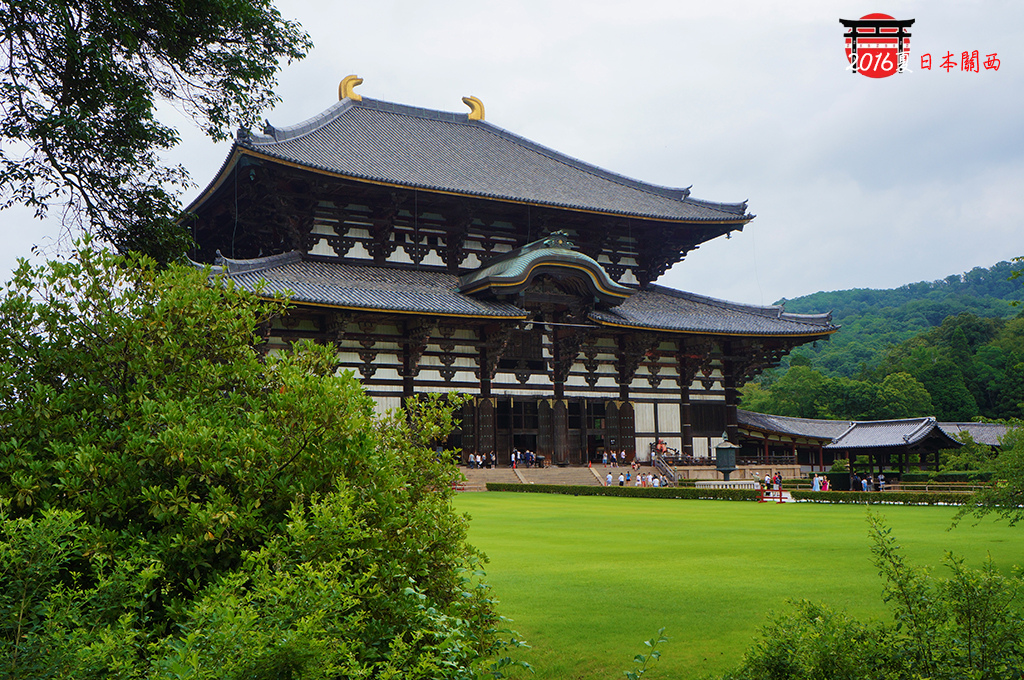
x=568, y=476
x=476, y=480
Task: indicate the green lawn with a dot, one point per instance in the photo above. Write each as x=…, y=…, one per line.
x=587, y=579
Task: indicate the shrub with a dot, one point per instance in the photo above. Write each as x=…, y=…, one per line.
x=173, y=503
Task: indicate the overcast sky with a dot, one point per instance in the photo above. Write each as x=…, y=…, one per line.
x=856, y=182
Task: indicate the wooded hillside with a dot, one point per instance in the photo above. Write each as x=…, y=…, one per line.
x=953, y=349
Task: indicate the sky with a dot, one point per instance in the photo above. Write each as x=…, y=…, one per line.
x=856, y=182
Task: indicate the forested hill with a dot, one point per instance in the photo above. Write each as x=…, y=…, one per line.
x=874, y=320
x=953, y=349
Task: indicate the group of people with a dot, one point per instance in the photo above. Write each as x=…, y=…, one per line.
x=819, y=483
x=520, y=458
x=478, y=462
x=867, y=482
x=638, y=479
x=614, y=459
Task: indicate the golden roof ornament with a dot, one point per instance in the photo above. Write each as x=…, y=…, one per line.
x=476, y=108
x=347, y=88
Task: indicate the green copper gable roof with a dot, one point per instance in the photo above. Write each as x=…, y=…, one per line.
x=514, y=271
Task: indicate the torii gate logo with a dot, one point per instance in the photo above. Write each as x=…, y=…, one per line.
x=877, y=45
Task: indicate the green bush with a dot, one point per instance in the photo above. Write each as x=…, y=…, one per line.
x=173, y=503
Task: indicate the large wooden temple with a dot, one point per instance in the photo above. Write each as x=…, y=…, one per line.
x=439, y=252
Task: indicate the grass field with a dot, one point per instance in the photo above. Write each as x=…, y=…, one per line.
x=587, y=579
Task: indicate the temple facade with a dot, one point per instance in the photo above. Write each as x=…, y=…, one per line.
x=440, y=253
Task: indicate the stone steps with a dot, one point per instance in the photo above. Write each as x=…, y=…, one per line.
x=476, y=479
x=569, y=476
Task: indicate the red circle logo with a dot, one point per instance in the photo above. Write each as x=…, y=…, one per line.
x=876, y=45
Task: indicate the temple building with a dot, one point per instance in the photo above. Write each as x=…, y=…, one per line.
x=440, y=253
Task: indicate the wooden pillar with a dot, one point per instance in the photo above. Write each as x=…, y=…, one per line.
x=485, y=377
x=545, y=444
x=821, y=458
x=766, y=449
x=408, y=386
x=686, y=415
x=560, y=429
x=732, y=428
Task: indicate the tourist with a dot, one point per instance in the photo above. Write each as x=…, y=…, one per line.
x=656, y=482
x=638, y=481
x=816, y=484
x=622, y=479
x=881, y=482
x=604, y=458
x=824, y=483
x=864, y=483
x=608, y=479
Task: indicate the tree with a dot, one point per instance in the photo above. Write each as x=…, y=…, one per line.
x=79, y=90
x=173, y=503
x=1006, y=495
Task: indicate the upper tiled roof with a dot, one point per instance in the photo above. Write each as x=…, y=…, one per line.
x=658, y=307
x=800, y=427
x=436, y=150
x=369, y=287
x=885, y=433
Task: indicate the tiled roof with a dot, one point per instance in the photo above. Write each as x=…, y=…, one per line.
x=983, y=433
x=658, y=307
x=370, y=287
x=360, y=287
x=799, y=427
x=886, y=433
x=436, y=150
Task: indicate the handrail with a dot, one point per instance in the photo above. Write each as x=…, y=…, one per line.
x=662, y=467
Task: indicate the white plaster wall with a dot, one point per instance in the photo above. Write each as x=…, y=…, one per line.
x=643, y=448
x=359, y=252
x=644, y=417
x=668, y=419
x=322, y=248
x=382, y=405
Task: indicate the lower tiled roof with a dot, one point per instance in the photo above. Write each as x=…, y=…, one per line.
x=658, y=307
x=389, y=289
x=361, y=287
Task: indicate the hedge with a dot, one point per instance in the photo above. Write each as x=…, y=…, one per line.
x=884, y=497
x=634, y=491
x=968, y=476
x=868, y=498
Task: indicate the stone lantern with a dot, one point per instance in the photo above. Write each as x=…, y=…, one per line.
x=725, y=457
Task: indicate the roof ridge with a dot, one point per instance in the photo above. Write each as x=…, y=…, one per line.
x=232, y=266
